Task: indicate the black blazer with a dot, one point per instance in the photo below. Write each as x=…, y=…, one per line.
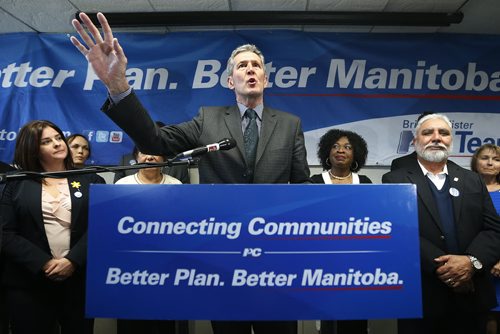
x=281, y=152
x=404, y=161
x=478, y=233
x=6, y=167
x=25, y=246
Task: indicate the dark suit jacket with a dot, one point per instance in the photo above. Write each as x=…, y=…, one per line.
x=25, y=246
x=180, y=172
x=404, y=161
x=6, y=167
x=281, y=153
x=477, y=229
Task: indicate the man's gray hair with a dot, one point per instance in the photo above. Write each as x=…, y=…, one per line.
x=432, y=116
x=240, y=49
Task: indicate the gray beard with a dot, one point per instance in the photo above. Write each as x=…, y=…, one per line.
x=432, y=156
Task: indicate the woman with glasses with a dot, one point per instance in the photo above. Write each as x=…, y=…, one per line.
x=342, y=154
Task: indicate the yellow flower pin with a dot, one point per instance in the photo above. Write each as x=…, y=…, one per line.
x=75, y=184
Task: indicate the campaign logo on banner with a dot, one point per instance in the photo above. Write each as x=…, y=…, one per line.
x=253, y=252
x=467, y=130
x=374, y=84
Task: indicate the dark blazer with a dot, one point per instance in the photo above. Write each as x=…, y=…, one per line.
x=25, y=246
x=478, y=233
x=404, y=161
x=6, y=167
x=180, y=172
x=281, y=152
x=318, y=178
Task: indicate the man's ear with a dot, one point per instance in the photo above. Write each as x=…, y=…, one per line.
x=230, y=82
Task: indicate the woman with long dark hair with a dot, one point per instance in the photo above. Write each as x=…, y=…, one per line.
x=45, y=236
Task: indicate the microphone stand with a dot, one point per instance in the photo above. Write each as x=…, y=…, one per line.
x=22, y=175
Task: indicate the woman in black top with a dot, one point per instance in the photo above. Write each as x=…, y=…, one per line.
x=342, y=154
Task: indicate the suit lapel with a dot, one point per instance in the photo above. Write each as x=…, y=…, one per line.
x=266, y=130
x=77, y=193
x=34, y=193
x=424, y=192
x=456, y=181
x=233, y=123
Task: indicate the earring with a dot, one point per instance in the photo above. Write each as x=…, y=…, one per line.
x=354, y=168
x=327, y=162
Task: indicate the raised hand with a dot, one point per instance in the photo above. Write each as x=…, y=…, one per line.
x=105, y=55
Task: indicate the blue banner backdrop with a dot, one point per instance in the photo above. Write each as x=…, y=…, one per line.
x=253, y=252
x=374, y=84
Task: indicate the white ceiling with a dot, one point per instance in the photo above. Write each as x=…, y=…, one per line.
x=54, y=16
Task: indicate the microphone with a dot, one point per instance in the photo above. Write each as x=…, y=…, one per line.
x=223, y=145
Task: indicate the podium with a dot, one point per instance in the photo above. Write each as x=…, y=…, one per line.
x=253, y=252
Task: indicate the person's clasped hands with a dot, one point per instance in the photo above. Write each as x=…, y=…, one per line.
x=456, y=272
x=58, y=269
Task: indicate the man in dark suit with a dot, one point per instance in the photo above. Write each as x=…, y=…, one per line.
x=270, y=143
x=459, y=235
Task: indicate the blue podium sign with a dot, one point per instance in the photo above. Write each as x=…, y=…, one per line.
x=260, y=252
x=495, y=197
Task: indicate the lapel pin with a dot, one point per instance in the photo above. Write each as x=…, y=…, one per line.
x=455, y=179
x=454, y=192
x=77, y=186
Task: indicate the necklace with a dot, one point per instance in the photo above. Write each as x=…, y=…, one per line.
x=339, y=177
x=138, y=178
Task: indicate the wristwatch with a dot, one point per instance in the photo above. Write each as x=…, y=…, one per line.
x=476, y=264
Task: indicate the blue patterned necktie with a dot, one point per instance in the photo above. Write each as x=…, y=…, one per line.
x=251, y=138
